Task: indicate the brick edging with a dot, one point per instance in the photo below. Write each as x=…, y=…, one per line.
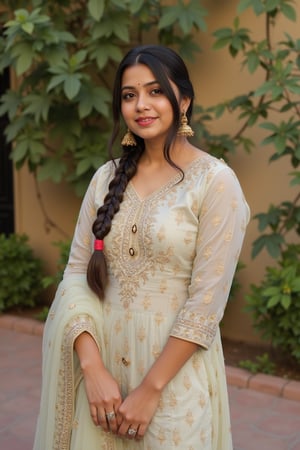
x=22, y=324
x=280, y=387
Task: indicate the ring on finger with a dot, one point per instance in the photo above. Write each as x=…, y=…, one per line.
x=110, y=415
x=131, y=432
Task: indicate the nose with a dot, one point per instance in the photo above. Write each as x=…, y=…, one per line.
x=142, y=103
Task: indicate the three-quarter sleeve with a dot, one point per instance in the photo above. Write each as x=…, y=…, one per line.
x=223, y=218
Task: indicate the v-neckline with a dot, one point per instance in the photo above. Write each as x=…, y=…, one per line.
x=165, y=186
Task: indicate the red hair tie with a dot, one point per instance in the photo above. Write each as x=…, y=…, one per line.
x=99, y=244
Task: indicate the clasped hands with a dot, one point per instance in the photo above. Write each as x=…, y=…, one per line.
x=128, y=418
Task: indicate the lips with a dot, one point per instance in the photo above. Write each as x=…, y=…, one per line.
x=144, y=121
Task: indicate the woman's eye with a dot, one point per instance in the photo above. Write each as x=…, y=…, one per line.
x=156, y=91
x=127, y=96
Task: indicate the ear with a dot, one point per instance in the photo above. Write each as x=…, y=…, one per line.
x=184, y=104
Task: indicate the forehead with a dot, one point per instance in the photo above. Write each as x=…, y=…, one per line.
x=137, y=75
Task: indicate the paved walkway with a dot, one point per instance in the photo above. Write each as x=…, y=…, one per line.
x=265, y=410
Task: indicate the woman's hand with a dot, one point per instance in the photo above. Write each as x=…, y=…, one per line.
x=136, y=411
x=103, y=395
x=102, y=390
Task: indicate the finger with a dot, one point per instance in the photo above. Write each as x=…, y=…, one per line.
x=111, y=420
x=102, y=419
x=132, y=432
x=140, y=432
x=138, y=435
x=94, y=415
x=122, y=430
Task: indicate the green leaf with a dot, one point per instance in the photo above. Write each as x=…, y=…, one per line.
x=296, y=180
x=186, y=15
x=272, y=243
x=102, y=53
x=36, y=150
x=243, y=5
x=83, y=166
x=24, y=56
x=264, y=88
x=253, y=62
x=296, y=285
x=96, y=8
x=273, y=301
x=11, y=101
x=28, y=27
x=135, y=6
x=295, y=89
x=223, y=33
x=38, y=105
x=66, y=36
x=269, y=126
x=19, y=151
x=271, y=291
x=271, y=5
x=169, y=17
x=14, y=127
x=288, y=11
x=72, y=85
x=286, y=301
x=55, y=81
x=221, y=43
x=55, y=54
x=53, y=168
x=93, y=97
x=78, y=58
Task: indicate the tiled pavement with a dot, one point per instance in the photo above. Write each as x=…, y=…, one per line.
x=265, y=410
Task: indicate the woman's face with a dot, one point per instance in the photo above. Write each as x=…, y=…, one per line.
x=146, y=110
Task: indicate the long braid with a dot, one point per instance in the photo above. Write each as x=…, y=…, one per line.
x=126, y=169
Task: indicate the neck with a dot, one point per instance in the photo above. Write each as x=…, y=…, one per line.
x=154, y=154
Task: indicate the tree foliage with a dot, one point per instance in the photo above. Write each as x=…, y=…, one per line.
x=274, y=106
x=64, y=54
x=21, y=273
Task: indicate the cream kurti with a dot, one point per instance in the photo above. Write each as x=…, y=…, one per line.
x=171, y=259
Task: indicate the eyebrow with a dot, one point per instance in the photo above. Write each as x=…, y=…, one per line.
x=144, y=85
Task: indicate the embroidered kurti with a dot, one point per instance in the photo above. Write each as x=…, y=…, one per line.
x=171, y=259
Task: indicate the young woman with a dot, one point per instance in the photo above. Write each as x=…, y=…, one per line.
x=132, y=350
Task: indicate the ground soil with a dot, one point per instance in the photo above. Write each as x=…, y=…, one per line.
x=234, y=351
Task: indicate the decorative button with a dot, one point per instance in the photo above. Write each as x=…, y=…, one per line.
x=125, y=362
x=131, y=251
x=134, y=228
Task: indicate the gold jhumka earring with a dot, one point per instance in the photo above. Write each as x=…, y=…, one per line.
x=184, y=130
x=128, y=139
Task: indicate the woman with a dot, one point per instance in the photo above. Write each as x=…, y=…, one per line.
x=132, y=350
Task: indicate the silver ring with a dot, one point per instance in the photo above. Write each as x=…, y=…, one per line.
x=110, y=415
x=131, y=431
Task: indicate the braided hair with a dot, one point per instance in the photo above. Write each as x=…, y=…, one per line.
x=166, y=65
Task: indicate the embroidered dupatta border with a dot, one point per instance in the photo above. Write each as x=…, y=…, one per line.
x=65, y=401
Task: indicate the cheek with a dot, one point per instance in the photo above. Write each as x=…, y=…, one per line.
x=126, y=109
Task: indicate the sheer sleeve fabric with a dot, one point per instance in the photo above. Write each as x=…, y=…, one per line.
x=223, y=218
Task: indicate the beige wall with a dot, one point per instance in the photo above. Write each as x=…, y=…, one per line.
x=216, y=78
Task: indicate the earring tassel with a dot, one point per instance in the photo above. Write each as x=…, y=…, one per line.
x=128, y=139
x=184, y=130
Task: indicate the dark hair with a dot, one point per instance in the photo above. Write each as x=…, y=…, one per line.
x=166, y=65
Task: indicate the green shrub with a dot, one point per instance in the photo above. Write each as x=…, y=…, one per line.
x=64, y=250
x=20, y=273
x=262, y=364
x=275, y=303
